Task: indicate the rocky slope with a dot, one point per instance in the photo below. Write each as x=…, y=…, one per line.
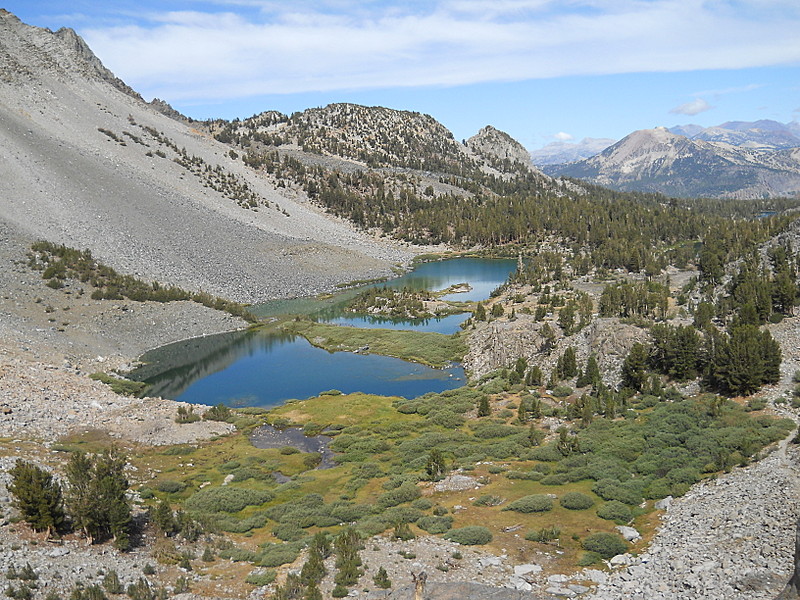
x=87, y=163
x=656, y=160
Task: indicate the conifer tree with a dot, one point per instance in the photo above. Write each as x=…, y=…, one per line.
x=634, y=366
x=484, y=410
x=347, y=559
x=381, y=579
x=163, y=519
x=37, y=496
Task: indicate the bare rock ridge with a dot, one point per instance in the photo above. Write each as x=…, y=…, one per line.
x=71, y=54
x=498, y=144
x=89, y=164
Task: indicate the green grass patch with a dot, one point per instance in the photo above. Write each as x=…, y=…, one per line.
x=432, y=349
x=123, y=387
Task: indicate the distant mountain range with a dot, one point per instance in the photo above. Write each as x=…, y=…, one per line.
x=558, y=153
x=733, y=160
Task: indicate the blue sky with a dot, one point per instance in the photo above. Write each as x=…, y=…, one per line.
x=541, y=70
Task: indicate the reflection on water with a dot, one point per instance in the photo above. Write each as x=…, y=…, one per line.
x=264, y=369
x=447, y=325
x=256, y=368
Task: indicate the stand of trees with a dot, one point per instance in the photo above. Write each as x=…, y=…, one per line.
x=736, y=362
x=94, y=501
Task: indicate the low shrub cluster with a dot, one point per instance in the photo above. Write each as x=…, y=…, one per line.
x=472, y=535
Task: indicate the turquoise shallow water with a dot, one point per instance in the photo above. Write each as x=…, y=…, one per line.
x=266, y=369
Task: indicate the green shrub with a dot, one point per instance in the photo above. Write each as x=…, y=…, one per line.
x=615, y=511
x=611, y=489
x=226, y=499
x=435, y=525
x=554, y=479
x=238, y=554
x=422, y=504
x=606, y=545
x=531, y=504
x=548, y=453
x=287, y=450
x=275, y=555
x=405, y=493
x=123, y=387
x=587, y=559
x=488, y=500
x=220, y=412
x=527, y=475
x=562, y=391
x=545, y=534
x=471, y=535
x=288, y=532
x=372, y=526
x=169, y=486
x=576, y=501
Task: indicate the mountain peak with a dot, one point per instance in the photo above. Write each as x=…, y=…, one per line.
x=493, y=143
x=30, y=53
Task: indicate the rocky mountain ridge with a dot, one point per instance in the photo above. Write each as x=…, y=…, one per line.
x=559, y=153
x=764, y=134
x=89, y=164
x=657, y=160
x=375, y=137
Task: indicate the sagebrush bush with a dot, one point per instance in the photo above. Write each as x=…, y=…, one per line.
x=531, y=504
x=471, y=535
x=576, y=501
x=226, y=499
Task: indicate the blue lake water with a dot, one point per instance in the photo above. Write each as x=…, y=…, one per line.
x=266, y=369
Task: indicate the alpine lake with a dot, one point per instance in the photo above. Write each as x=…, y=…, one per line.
x=265, y=366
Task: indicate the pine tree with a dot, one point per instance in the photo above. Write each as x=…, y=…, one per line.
x=80, y=499
x=484, y=410
x=381, y=579
x=591, y=374
x=435, y=467
x=402, y=531
x=534, y=376
x=634, y=372
x=480, y=312
x=312, y=591
x=37, y=496
x=347, y=559
x=314, y=568
x=97, y=496
x=164, y=520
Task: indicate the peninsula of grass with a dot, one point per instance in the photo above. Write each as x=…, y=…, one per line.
x=432, y=349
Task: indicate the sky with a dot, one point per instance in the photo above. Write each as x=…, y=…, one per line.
x=541, y=70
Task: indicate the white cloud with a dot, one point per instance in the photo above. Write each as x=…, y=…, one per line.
x=563, y=137
x=695, y=107
x=300, y=47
